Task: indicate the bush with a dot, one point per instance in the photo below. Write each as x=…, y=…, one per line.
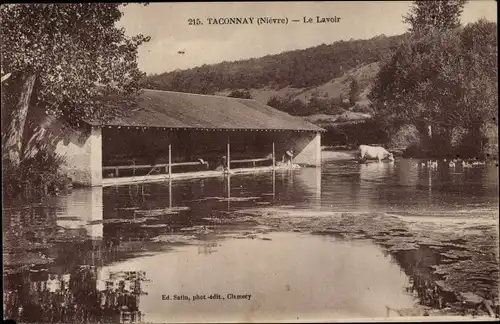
x=406, y=136
x=458, y=136
x=245, y=94
x=34, y=177
x=362, y=109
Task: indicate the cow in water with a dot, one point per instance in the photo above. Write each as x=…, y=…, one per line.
x=367, y=152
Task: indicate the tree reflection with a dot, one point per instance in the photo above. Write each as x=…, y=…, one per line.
x=79, y=296
x=417, y=265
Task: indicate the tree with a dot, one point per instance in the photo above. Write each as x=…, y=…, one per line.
x=64, y=58
x=275, y=102
x=354, y=91
x=301, y=68
x=244, y=94
x=440, y=14
x=290, y=105
x=440, y=81
x=317, y=104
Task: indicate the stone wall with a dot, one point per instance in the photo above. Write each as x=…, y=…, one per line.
x=307, y=148
x=80, y=147
x=83, y=157
x=84, y=205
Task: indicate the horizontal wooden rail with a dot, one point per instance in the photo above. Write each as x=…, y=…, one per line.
x=148, y=166
x=117, y=168
x=250, y=160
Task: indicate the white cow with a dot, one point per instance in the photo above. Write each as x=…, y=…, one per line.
x=367, y=152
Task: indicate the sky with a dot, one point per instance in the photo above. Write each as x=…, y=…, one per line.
x=177, y=45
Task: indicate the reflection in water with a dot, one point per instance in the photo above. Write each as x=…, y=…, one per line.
x=374, y=171
x=404, y=186
x=80, y=202
x=83, y=295
x=55, y=253
x=417, y=265
x=284, y=278
x=406, y=173
x=207, y=248
x=310, y=178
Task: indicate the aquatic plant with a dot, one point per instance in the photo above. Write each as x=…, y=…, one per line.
x=34, y=177
x=444, y=260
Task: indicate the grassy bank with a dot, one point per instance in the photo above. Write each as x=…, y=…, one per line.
x=33, y=178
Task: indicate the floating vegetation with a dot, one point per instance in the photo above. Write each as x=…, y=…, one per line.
x=215, y=220
x=16, y=208
x=245, y=236
x=175, y=239
x=119, y=221
x=447, y=257
x=154, y=225
x=456, y=254
x=160, y=212
x=471, y=298
x=403, y=247
x=24, y=261
x=179, y=208
x=198, y=229
x=192, y=228
x=68, y=218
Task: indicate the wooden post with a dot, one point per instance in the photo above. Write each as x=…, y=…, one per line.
x=274, y=184
x=274, y=157
x=170, y=193
x=169, y=161
x=116, y=172
x=228, y=192
x=228, y=155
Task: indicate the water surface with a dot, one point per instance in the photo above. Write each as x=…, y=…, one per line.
x=66, y=247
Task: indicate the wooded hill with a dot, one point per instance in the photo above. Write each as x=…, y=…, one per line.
x=322, y=71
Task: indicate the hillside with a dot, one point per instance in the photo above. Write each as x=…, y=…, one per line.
x=323, y=71
x=334, y=88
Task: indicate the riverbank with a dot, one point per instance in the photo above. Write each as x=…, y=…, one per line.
x=453, y=262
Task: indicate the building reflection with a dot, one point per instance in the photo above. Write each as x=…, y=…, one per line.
x=310, y=180
x=85, y=208
x=207, y=248
x=53, y=252
x=83, y=295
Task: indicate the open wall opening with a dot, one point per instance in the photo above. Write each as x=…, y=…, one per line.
x=145, y=151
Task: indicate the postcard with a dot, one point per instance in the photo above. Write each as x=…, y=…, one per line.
x=247, y=162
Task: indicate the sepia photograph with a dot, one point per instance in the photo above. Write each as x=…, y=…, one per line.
x=250, y=162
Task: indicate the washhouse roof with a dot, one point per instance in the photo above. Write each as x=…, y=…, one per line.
x=170, y=109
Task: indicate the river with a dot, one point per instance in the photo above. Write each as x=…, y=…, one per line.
x=282, y=241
